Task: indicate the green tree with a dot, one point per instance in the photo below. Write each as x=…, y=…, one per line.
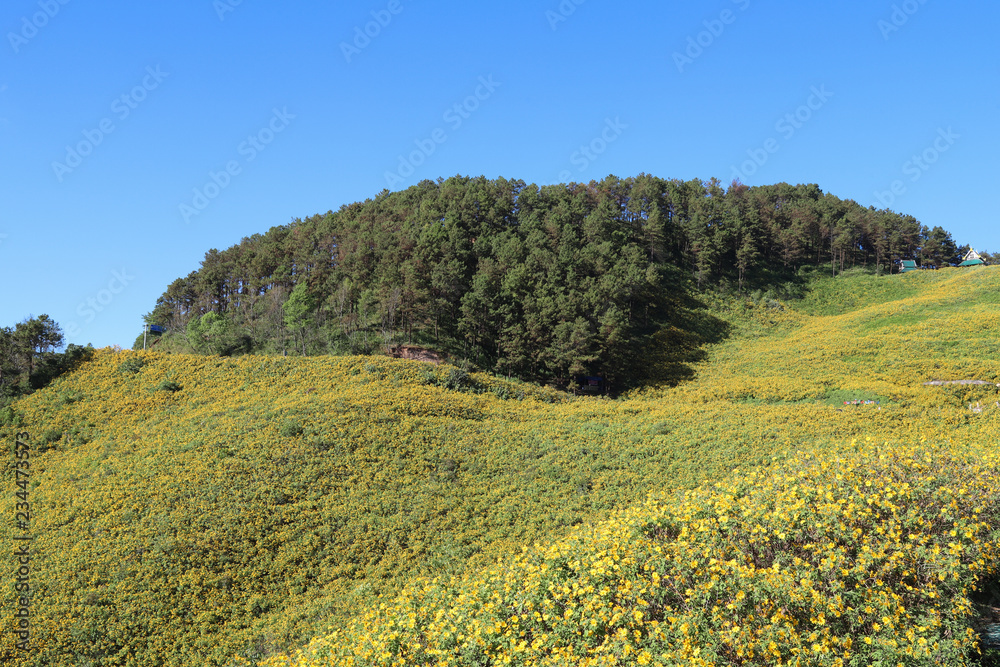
x=36, y=336
x=212, y=333
x=938, y=248
x=505, y=274
x=11, y=369
x=741, y=218
x=29, y=359
x=300, y=310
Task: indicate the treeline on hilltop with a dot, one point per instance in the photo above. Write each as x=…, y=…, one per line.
x=544, y=283
x=29, y=360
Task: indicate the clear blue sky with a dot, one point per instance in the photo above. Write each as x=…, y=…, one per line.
x=112, y=115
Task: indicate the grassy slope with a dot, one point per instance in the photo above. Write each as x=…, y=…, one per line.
x=882, y=335
x=269, y=496
x=858, y=554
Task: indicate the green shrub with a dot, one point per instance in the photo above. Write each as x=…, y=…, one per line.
x=290, y=429
x=10, y=417
x=71, y=396
x=502, y=392
x=131, y=366
x=47, y=439
x=77, y=436
x=457, y=379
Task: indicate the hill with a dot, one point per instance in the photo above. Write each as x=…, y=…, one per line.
x=542, y=283
x=189, y=510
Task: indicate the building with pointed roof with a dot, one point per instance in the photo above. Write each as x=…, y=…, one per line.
x=972, y=258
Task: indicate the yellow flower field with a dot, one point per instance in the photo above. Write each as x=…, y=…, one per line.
x=860, y=558
x=191, y=510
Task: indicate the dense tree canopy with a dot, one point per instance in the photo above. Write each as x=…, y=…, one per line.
x=28, y=357
x=544, y=283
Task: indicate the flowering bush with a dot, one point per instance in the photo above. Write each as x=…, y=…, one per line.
x=868, y=557
x=236, y=515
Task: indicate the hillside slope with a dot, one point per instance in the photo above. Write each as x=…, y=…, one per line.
x=542, y=283
x=188, y=510
x=875, y=556
x=882, y=552
x=868, y=336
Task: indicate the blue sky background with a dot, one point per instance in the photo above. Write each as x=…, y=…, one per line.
x=678, y=90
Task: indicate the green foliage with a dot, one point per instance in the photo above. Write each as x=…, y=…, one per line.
x=48, y=438
x=169, y=385
x=216, y=334
x=77, y=435
x=299, y=310
x=847, y=292
x=290, y=429
x=197, y=527
x=457, y=379
x=939, y=249
x=10, y=417
x=71, y=396
x=461, y=380
x=541, y=283
x=131, y=366
x=28, y=360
